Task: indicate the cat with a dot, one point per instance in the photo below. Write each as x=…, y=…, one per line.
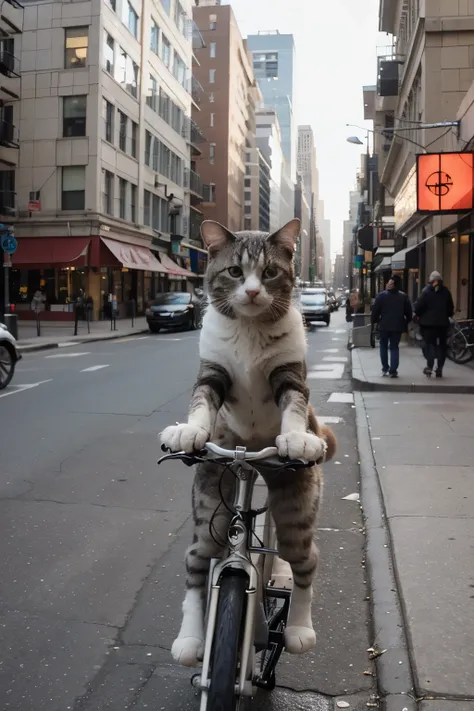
x=251, y=390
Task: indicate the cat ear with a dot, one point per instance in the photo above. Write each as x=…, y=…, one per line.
x=215, y=236
x=287, y=236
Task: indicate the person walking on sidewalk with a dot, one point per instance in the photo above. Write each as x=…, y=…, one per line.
x=433, y=310
x=392, y=312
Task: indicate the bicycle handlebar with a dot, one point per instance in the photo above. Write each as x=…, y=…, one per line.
x=268, y=457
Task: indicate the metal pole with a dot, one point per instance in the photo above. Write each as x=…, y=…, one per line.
x=6, y=284
x=76, y=319
x=38, y=326
x=88, y=319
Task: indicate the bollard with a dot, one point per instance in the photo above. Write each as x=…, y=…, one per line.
x=76, y=319
x=38, y=326
x=133, y=312
x=88, y=319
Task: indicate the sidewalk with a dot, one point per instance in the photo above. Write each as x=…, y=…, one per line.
x=416, y=451
x=54, y=335
x=367, y=373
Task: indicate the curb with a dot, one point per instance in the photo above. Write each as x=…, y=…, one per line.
x=47, y=346
x=367, y=386
x=394, y=673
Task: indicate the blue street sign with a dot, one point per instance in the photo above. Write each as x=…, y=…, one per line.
x=9, y=243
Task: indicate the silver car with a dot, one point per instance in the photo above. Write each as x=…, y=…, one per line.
x=9, y=356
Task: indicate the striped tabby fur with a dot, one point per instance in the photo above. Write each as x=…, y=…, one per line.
x=251, y=390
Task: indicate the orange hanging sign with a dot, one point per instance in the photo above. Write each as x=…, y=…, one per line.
x=445, y=182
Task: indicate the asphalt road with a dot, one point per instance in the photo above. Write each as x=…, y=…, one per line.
x=93, y=533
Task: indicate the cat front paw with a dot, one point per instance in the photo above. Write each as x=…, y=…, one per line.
x=299, y=640
x=184, y=438
x=301, y=445
x=187, y=651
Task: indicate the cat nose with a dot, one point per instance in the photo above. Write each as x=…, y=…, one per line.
x=252, y=293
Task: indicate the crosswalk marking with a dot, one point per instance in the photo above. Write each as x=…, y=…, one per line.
x=326, y=420
x=93, y=368
x=68, y=355
x=342, y=398
x=328, y=371
x=20, y=388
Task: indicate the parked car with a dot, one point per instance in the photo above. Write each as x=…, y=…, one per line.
x=315, y=306
x=174, y=309
x=9, y=356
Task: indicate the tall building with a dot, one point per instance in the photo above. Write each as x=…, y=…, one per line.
x=224, y=69
x=105, y=134
x=269, y=144
x=274, y=69
x=324, y=226
x=422, y=77
x=303, y=212
x=349, y=227
x=307, y=168
x=11, y=24
x=339, y=280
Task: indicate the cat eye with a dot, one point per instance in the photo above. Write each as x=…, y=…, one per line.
x=235, y=272
x=270, y=272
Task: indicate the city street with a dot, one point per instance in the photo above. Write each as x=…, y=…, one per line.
x=93, y=533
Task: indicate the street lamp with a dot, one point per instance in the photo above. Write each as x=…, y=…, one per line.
x=355, y=140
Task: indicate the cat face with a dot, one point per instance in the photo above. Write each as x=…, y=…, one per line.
x=250, y=274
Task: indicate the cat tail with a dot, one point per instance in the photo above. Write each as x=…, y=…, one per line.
x=323, y=432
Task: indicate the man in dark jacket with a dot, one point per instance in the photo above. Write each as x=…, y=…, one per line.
x=392, y=311
x=433, y=310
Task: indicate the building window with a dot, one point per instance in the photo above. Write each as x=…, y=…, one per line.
x=108, y=116
x=112, y=4
x=107, y=192
x=76, y=46
x=122, y=198
x=127, y=73
x=155, y=213
x=165, y=102
x=109, y=53
x=154, y=37
x=177, y=118
x=212, y=153
x=211, y=121
x=74, y=115
x=165, y=155
x=212, y=192
x=166, y=5
x=179, y=17
x=73, y=189
x=152, y=98
x=147, y=208
x=212, y=76
x=179, y=69
x=123, y=121
x=248, y=209
x=213, y=22
x=211, y=97
x=148, y=138
x=133, y=139
x=165, y=51
x=212, y=50
x=133, y=202
x=247, y=182
x=247, y=223
x=156, y=154
x=130, y=17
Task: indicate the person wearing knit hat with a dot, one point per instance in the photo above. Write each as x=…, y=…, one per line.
x=433, y=310
x=392, y=312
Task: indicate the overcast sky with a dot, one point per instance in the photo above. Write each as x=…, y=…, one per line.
x=336, y=49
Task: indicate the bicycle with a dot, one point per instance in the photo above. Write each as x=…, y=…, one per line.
x=246, y=611
x=461, y=342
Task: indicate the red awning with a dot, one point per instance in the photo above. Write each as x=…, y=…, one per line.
x=51, y=251
x=174, y=269
x=132, y=256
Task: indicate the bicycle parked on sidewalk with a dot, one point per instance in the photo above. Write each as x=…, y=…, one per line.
x=461, y=341
x=246, y=610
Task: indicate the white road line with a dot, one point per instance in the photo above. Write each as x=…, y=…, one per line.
x=342, y=398
x=21, y=388
x=335, y=359
x=336, y=339
x=328, y=371
x=323, y=420
x=127, y=340
x=68, y=355
x=66, y=344
x=94, y=368
x=141, y=338
x=327, y=350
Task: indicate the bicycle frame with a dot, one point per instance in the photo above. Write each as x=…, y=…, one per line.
x=239, y=557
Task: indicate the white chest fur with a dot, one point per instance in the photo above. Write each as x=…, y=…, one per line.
x=250, y=351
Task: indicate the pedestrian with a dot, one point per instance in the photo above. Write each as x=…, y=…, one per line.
x=433, y=310
x=392, y=312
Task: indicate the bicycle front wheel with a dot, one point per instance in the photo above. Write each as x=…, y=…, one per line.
x=226, y=645
x=458, y=351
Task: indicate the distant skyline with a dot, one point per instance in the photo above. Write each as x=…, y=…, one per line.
x=336, y=54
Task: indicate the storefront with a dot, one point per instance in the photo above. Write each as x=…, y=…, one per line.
x=108, y=271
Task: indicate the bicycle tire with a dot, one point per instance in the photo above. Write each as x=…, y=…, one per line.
x=462, y=354
x=226, y=643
